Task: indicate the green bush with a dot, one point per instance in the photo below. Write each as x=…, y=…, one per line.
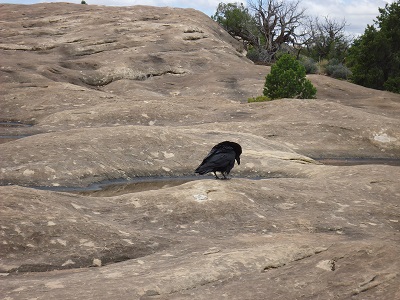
x=258, y=99
x=337, y=70
x=288, y=80
x=374, y=57
x=392, y=84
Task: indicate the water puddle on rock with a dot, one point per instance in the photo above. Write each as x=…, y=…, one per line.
x=14, y=124
x=124, y=186
x=10, y=138
x=351, y=161
x=140, y=184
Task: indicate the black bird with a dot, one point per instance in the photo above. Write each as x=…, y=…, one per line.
x=220, y=159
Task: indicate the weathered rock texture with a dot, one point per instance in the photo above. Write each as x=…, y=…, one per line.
x=93, y=93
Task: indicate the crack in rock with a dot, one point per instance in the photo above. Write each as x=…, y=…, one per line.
x=297, y=257
x=374, y=282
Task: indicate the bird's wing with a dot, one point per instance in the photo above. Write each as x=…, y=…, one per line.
x=216, y=160
x=213, y=151
x=217, y=149
x=220, y=159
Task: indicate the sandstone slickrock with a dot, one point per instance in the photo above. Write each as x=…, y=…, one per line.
x=98, y=94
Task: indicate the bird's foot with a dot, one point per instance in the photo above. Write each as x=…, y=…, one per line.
x=225, y=178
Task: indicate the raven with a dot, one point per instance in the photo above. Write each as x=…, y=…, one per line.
x=221, y=158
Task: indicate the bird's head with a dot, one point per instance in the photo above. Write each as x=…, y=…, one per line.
x=237, y=148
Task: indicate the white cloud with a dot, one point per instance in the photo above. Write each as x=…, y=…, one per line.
x=357, y=13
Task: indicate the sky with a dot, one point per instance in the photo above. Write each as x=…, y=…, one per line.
x=357, y=13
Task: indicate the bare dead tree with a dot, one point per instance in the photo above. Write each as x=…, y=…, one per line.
x=278, y=23
x=268, y=26
x=327, y=38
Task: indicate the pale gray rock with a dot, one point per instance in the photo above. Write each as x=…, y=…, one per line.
x=92, y=94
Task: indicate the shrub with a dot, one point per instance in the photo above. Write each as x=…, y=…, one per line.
x=309, y=64
x=288, y=80
x=392, y=84
x=322, y=66
x=258, y=56
x=258, y=99
x=337, y=70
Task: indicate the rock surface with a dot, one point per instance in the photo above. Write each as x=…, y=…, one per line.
x=98, y=94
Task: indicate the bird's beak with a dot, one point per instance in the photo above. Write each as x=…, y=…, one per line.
x=238, y=160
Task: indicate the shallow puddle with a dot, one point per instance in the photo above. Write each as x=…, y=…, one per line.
x=138, y=185
x=10, y=138
x=359, y=161
x=14, y=124
x=124, y=186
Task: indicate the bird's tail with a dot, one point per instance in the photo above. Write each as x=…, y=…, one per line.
x=201, y=170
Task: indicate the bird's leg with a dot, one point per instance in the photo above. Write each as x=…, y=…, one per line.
x=216, y=177
x=225, y=175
